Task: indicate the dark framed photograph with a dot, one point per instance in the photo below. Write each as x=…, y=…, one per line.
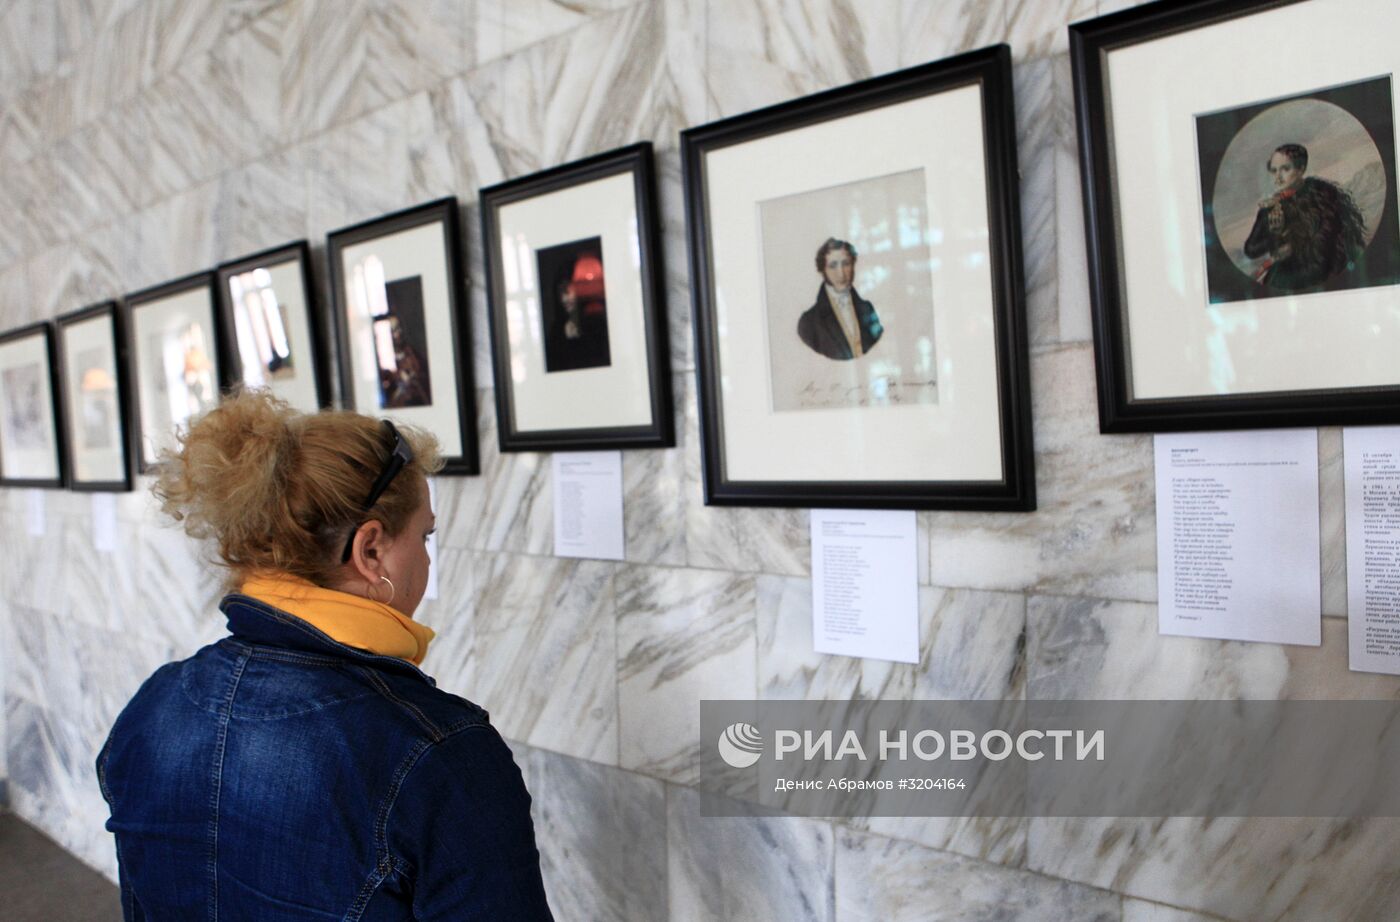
x=401, y=323
x=1243, y=234
x=577, y=306
x=93, y=392
x=176, y=354
x=31, y=434
x=858, y=296
x=269, y=316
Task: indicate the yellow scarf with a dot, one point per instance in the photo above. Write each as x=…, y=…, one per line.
x=350, y=619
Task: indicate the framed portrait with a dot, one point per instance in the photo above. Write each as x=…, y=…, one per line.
x=93, y=389
x=269, y=317
x=176, y=352
x=31, y=435
x=1243, y=236
x=858, y=296
x=402, y=327
x=577, y=306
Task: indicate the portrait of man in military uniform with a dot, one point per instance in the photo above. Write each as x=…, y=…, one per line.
x=1298, y=194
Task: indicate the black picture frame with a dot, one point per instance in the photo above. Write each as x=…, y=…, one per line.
x=120, y=404
x=134, y=308
x=1002, y=359
x=455, y=346
x=317, y=351
x=1129, y=398
x=42, y=330
x=647, y=314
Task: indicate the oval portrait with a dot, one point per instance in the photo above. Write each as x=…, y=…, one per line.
x=1299, y=195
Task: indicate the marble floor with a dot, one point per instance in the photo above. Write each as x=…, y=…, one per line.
x=41, y=881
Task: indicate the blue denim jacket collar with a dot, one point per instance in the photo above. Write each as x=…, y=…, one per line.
x=255, y=622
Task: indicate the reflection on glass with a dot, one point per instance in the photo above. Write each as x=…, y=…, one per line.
x=260, y=325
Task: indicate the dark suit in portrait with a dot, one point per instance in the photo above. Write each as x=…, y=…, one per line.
x=822, y=332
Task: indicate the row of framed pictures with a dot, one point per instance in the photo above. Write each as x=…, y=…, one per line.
x=856, y=277
x=859, y=321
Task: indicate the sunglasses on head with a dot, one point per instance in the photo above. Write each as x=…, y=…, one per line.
x=399, y=458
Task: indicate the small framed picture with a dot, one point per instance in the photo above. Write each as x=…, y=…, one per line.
x=269, y=317
x=577, y=306
x=856, y=274
x=175, y=349
x=402, y=328
x=93, y=389
x=31, y=436
x=1244, y=240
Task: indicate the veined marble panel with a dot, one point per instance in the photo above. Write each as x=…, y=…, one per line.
x=427, y=41
x=743, y=867
x=602, y=839
x=75, y=274
x=1295, y=869
x=1087, y=649
x=503, y=27
x=1265, y=868
x=1094, y=533
x=883, y=880
x=329, y=73
x=670, y=191
x=114, y=69
x=601, y=86
x=452, y=615
x=29, y=42
x=1332, y=507
x=343, y=60
x=1038, y=27
x=1072, y=265
x=738, y=538
x=472, y=159
x=1035, y=145
x=265, y=203
x=19, y=134
x=180, y=235
x=99, y=587
x=509, y=506
x=653, y=501
x=178, y=593
x=760, y=54
x=1142, y=911
x=682, y=636
x=112, y=145
x=972, y=648
x=35, y=566
x=687, y=31
x=933, y=31
x=53, y=783
x=390, y=159
x=182, y=30
x=544, y=660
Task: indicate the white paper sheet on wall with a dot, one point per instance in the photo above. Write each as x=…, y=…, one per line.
x=588, y=505
x=34, y=513
x=865, y=584
x=1238, y=546
x=104, y=522
x=1371, y=462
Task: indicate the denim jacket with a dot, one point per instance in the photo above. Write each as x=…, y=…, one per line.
x=281, y=775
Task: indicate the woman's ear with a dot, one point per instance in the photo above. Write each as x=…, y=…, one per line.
x=367, y=550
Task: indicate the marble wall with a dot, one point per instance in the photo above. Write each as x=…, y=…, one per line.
x=143, y=139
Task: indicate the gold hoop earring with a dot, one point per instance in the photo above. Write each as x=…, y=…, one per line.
x=391, y=589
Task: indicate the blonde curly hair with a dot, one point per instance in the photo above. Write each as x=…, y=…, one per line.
x=280, y=490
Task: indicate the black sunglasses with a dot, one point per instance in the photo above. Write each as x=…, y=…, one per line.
x=400, y=458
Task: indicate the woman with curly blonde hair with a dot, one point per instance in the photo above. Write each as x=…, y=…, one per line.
x=304, y=767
